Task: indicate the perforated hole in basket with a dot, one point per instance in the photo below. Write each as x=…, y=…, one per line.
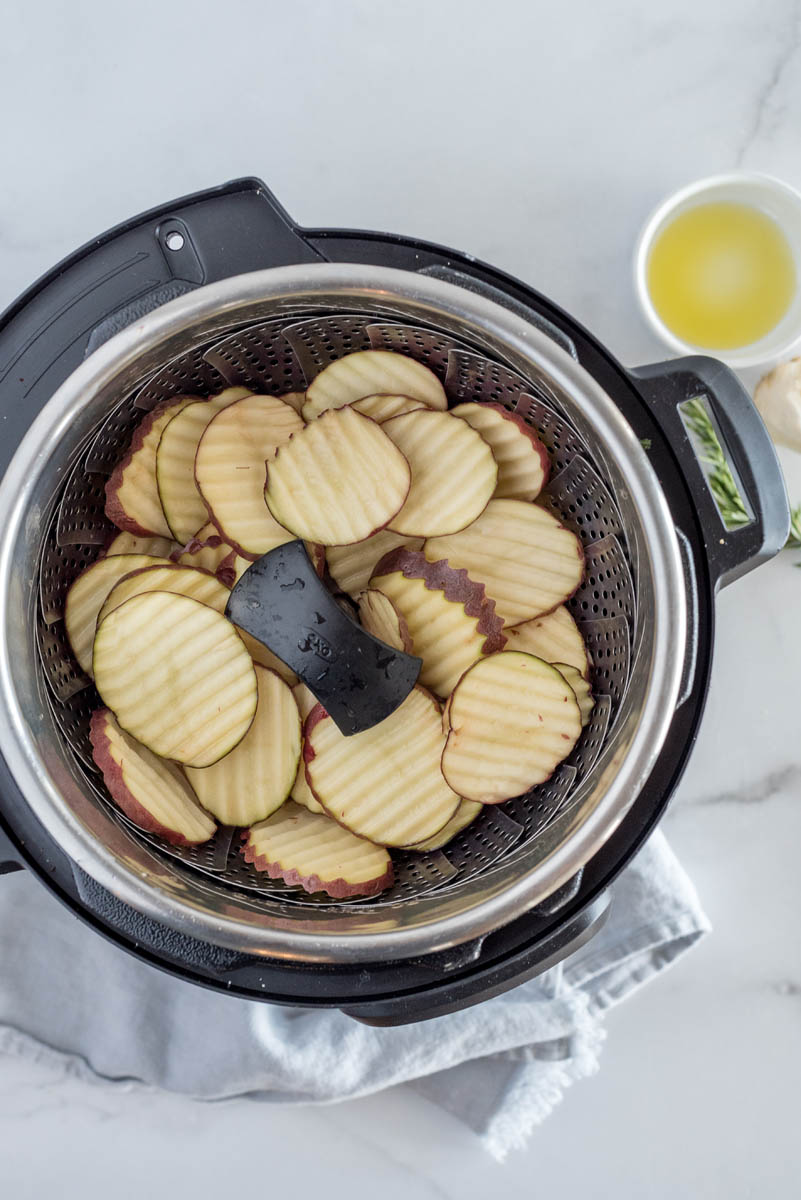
x=273, y=357
x=583, y=502
x=187, y=375
x=259, y=358
x=609, y=646
x=472, y=376
x=323, y=340
x=429, y=348
x=607, y=589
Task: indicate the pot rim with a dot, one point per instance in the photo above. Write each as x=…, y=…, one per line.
x=386, y=935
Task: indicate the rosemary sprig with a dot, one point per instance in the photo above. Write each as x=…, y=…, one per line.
x=719, y=476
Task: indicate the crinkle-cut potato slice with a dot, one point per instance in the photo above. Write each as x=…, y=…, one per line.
x=381, y=406
x=251, y=782
x=305, y=699
x=380, y=617
x=131, y=543
x=554, y=637
x=453, y=469
x=582, y=689
x=528, y=562
x=177, y=676
x=295, y=400
x=352, y=566
x=171, y=577
x=523, y=462
x=338, y=480
x=87, y=595
x=513, y=718
x=132, y=494
x=302, y=794
x=465, y=814
x=448, y=615
x=231, y=467
x=209, y=552
x=312, y=851
x=181, y=502
x=385, y=783
x=153, y=793
x=367, y=372
x=264, y=657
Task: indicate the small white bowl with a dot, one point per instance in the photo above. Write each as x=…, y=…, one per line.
x=771, y=196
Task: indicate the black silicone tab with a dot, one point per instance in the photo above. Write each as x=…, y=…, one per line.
x=282, y=602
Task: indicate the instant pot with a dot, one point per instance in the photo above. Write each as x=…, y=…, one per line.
x=222, y=288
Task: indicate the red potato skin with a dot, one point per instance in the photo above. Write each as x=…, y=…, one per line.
x=114, y=510
x=455, y=584
x=225, y=571
x=112, y=777
x=525, y=429
x=339, y=889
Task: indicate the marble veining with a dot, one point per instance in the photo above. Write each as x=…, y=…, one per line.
x=538, y=137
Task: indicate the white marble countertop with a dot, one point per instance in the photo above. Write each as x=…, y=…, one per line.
x=538, y=137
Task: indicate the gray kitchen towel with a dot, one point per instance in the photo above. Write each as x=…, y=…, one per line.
x=68, y=996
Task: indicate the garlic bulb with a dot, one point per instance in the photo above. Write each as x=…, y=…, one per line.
x=778, y=398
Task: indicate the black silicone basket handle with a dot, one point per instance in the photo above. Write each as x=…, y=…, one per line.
x=749, y=451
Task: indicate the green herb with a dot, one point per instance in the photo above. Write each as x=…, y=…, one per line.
x=645, y=443
x=719, y=476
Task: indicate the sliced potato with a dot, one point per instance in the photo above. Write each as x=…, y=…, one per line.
x=554, y=637
x=87, y=594
x=453, y=473
x=381, y=406
x=312, y=851
x=181, y=502
x=380, y=617
x=209, y=552
x=528, y=562
x=367, y=372
x=305, y=699
x=512, y=719
x=301, y=792
x=132, y=495
x=295, y=400
x=263, y=657
x=352, y=566
x=251, y=782
x=153, y=793
x=338, y=480
x=171, y=577
x=465, y=814
x=523, y=462
x=177, y=677
x=131, y=543
x=448, y=615
x=385, y=783
x=230, y=470
x=581, y=688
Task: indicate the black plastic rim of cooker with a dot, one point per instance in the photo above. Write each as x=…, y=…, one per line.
x=241, y=227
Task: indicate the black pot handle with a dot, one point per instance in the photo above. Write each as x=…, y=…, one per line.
x=748, y=449
x=482, y=983
x=133, y=269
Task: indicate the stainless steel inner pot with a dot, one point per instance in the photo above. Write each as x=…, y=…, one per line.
x=603, y=486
